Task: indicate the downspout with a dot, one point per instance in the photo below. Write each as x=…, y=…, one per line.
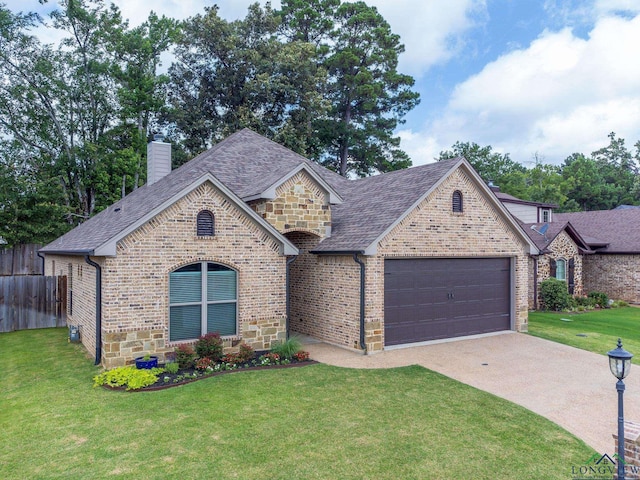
x=363, y=344
x=98, y=308
x=535, y=282
x=288, y=287
x=42, y=257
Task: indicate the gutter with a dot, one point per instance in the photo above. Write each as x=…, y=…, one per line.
x=98, y=308
x=363, y=345
x=288, y=301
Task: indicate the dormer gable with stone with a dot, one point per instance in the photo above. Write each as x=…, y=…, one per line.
x=300, y=202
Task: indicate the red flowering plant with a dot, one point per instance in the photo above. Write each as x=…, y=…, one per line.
x=301, y=356
x=204, y=363
x=270, y=359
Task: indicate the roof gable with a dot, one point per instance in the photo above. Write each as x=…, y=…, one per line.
x=271, y=192
x=544, y=237
x=375, y=205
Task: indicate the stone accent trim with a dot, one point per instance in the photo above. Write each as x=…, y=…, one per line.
x=301, y=205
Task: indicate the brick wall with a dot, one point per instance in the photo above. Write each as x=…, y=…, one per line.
x=631, y=449
x=136, y=281
x=81, y=294
x=325, y=294
x=616, y=275
x=301, y=205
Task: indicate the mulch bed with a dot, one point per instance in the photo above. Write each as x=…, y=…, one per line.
x=170, y=380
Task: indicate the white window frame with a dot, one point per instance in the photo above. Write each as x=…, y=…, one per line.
x=546, y=213
x=563, y=262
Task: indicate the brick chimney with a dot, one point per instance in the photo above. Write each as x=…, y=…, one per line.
x=158, y=159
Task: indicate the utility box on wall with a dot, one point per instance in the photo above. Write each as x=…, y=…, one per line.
x=74, y=334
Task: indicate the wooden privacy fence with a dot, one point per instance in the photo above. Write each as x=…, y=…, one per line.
x=21, y=260
x=32, y=302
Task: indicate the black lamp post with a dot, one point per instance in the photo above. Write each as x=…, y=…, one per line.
x=620, y=364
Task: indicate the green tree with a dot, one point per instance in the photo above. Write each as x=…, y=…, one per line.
x=76, y=115
x=368, y=96
x=584, y=184
x=231, y=75
x=493, y=167
x=545, y=184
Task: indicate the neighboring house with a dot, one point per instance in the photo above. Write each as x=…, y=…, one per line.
x=614, y=237
x=591, y=251
x=254, y=241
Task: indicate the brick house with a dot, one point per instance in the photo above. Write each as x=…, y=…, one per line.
x=614, y=238
x=591, y=251
x=254, y=241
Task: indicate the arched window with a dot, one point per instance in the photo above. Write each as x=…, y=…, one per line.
x=456, y=201
x=203, y=299
x=205, y=223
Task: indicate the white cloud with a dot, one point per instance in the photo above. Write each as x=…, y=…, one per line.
x=432, y=31
x=562, y=94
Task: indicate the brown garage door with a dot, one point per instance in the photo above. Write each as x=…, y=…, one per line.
x=428, y=299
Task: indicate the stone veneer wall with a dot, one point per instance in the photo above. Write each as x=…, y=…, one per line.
x=301, y=205
x=562, y=247
x=325, y=294
x=81, y=294
x=616, y=275
x=434, y=230
x=135, y=297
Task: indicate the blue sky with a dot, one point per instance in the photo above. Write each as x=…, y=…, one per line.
x=528, y=77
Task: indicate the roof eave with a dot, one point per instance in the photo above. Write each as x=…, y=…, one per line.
x=338, y=252
x=67, y=252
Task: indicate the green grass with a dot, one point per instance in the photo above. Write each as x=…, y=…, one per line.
x=315, y=422
x=601, y=327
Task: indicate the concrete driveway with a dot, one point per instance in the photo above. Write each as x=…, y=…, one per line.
x=570, y=387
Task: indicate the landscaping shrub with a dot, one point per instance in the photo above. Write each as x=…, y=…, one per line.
x=245, y=353
x=619, y=304
x=210, y=346
x=288, y=348
x=172, y=367
x=204, y=363
x=129, y=377
x=600, y=298
x=185, y=356
x=586, y=302
x=554, y=295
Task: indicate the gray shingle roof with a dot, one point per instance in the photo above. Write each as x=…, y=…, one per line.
x=618, y=229
x=245, y=162
x=248, y=164
x=542, y=241
x=373, y=204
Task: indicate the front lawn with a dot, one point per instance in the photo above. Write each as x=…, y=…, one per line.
x=314, y=422
x=596, y=331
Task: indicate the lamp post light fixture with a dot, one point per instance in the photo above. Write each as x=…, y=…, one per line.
x=620, y=364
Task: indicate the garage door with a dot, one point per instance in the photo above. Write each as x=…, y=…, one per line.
x=429, y=299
